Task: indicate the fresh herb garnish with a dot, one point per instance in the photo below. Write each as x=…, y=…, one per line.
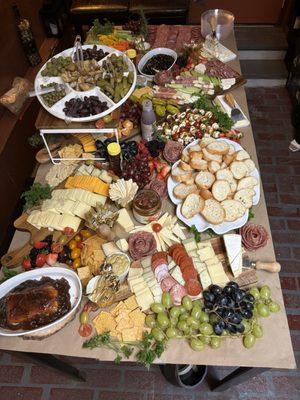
x=144, y=23
x=8, y=273
x=35, y=195
x=102, y=29
x=224, y=121
x=197, y=234
x=251, y=214
x=147, y=350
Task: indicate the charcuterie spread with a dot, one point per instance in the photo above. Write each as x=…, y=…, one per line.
x=126, y=217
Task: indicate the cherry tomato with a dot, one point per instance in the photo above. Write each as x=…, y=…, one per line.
x=156, y=227
x=78, y=238
x=80, y=245
x=75, y=253
x=85, y=233
x=26, y=264
x=76, y=263
x=68, y=231
x=73, y=244
x=57, y=247
x=85, y=330
x=99, y=124
x=90, y=306
x=84, y=317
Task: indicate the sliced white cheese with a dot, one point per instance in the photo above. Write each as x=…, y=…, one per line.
x=145, y=299
x=233, y=245
x=109, y=248
x=124, y=220
x=178, y=231
x=122, y=244
x=200, y=266
x=206, y=253
x=146, y=262
x=171, y=265
x=190, y=244
x=135, y=273
x=213, y=260
x=138, y=287
x=177, y=275
x=205, y=279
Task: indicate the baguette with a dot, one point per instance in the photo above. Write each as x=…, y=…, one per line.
x=239, y=169
x=182, y=190
x=211, y=157
x=231, y=149
x=198, y=164
x=213, y=166
x=245, y=196
x=220, y=190
x=206, y=140
x=192, y=205
x=233, y=210
x=179, y=175
x=248, y=182
x=250, y=165
x=185, y=166
x=213, y=212
x=242, y=155
x=206, y=194
x=204, y=179
x=196, y=148
x=218, y=147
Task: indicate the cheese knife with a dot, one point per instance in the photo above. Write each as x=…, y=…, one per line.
x=235, y=113
x=260, y=265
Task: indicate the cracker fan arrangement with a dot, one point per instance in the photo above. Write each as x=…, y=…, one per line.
x=126, y=239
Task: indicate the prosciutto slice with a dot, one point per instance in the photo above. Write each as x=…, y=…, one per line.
x=254, y=236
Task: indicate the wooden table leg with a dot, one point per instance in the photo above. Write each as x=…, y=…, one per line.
x=54, y=362
x=236, y=377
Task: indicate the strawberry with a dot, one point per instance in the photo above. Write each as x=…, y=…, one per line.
x=26, y=264
x=39, y=245
x=165, y=170
x=40, y=260
x=51, y=259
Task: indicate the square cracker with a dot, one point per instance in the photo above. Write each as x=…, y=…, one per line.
x=119, y=308
x=104, y=322
x=130, y=335
x=131, y=303
x=137, y=317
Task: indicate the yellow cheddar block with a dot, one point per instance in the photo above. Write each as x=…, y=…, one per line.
x=90, y=183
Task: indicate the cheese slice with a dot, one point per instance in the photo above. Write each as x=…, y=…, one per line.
x=171, y=265
x=138, y=287
x=124, y=220
x=213, y=260
x=206, y=253
x=177, y=275
x=109, y=248
x=135, y=273
x=200, y=266
x=156, y=290
x=205, y=279
x=178, y=230
x=146, y=262
x=190, y=244
x=233, y=246
x=145, y=299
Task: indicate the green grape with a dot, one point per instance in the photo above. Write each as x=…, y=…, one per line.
x=205, y=339
x=166, y=300
x=173, y=321
x=196, y=311
x=198, y=303
x=197, y=345
x=257, y=331
x=249, y=341
x=247, y=325
x=213, y=318
x=265, y=292
x=187, y=303
x=182, y=325
x=175, y=312
x=193, y=322
x=224, y=333
x=188, y=330
x=158, y=334
x=150, y=321
x=157, y=307
x=255, y=312
x=205, y=328
x=215, y=342
x=274, y=307
x=255, y=292
x=184, y=316
x=163, y=320
x=171, y=333
x=263, y=310
x=203, y=317
x=182, y=309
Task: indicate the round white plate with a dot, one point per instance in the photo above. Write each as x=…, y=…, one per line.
x=200, y=223
x=57, y=108
x=36, y=274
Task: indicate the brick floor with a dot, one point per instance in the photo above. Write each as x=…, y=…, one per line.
x=280, y=169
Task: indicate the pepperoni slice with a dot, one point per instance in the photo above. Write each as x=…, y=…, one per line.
x=193, y=287
x=189, y=273
x=177, y=253
x=186, y=260
x=173, y=247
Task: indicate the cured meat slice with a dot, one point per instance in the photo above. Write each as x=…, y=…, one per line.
x=189, y=273
x=254, y=236
x=141, y=244
x=160, y=187
x=219, y=69
x=172, y=151
x=173, y=247
x=167, y=283
x=161, y=272
x=178, y=292
x=193, y=287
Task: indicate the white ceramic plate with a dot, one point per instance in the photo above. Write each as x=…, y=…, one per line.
x=200, y=223
x=57, y=108
x=36, y=274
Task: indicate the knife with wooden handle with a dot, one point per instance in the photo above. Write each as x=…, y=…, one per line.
x=260, y=265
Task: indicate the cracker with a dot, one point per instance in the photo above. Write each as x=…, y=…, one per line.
x=130, y=335
x=137, y=317
x=131, y=303
x=104, y=322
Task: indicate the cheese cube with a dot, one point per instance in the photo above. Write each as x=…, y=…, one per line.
x=205, y=279
x=189, y=244
x=124, y=220
x=206, y=253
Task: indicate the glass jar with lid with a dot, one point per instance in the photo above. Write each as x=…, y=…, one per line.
x=146, y=206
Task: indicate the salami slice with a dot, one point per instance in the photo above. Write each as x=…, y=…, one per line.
x=167, y=283
x=189, y=273
x=141, y=244
x=193, y=287
x=178, y=292
x=172, y=151
x=161, y=272
x=160, y=187
x=254, y=236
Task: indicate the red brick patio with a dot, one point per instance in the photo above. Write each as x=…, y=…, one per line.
x=280, y=170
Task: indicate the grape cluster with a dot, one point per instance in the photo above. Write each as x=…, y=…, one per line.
x=131, y=111
x=133, y=25
x=223, y=312
x=155, y=147
x=137, y=169
x=129, y=148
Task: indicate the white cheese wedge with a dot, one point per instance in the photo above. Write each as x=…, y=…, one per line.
x=124, y=220
x=233, y=246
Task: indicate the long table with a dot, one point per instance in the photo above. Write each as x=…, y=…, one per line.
x=274, y=350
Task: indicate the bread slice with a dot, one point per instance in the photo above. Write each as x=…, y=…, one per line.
x=185, y=166
x=199, y=164
x=250, y=165
x=196, y=147
x=242, y=155
x=190, y=181
x=231, y=149
x=204, y=179
x=213, y=212
x=179, y=175
x=228, y=158
x=220, y=190
x=218, y=147
x=233, y=210
x=213, y=166
x=211, y=157
x=248, y=182
x=206, y=194
x=192, y=205
x=182, y=190
x=245, y=196
x=238, y=169
x=224, y=174
x=206, y=140
x=223, y=165
x=185, y=157
x=233, y=185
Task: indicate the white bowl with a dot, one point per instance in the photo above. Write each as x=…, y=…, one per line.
x=154, y=52
x=36, y=274
x=122, y=277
